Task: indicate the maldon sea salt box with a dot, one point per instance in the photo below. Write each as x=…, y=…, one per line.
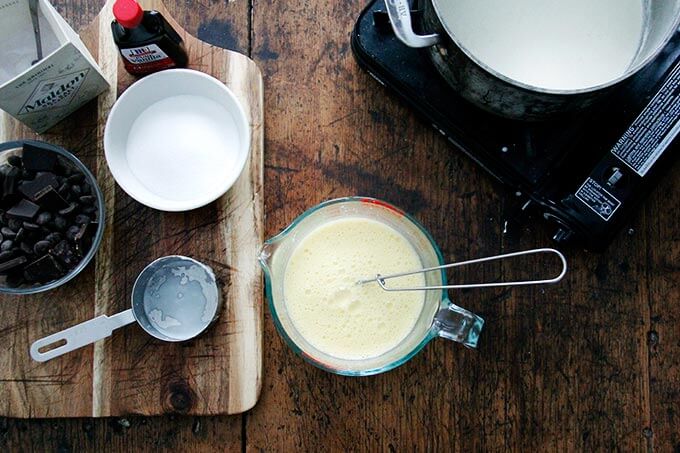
x=42, y=92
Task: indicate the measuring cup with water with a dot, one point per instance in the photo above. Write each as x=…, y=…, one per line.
x=174, y=298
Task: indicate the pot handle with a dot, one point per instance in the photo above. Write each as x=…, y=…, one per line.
x=399, y=12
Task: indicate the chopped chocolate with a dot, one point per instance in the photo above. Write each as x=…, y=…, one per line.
x=71, y=208
x=72, y=232
x=11, y=264
x=26, y=248
x=7, y=245
x=34, y=189
x=76, y=178
x=14, y=224
x=60, y=223
x=89, y=209
x=14, y=161
x=43, y=269
x=84, y=237
x=41, y=247
x=46, y=212
x=20, y=235
x=15, y=279
x=53, y=238
x=43, y=218
x=31, y=226
x=9, y=184
x=24, y=210
x=82, y=219
x=88, y=199
x=37, y=158
x=66, y=255
x=51, y=200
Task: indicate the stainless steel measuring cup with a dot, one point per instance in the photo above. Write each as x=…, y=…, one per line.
x=175, y=298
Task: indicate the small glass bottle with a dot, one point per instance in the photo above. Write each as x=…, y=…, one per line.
x=146, y=41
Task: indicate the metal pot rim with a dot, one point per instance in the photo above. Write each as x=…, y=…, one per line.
x=629, y=73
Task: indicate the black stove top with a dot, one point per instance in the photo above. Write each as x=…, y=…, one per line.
x=586, y=172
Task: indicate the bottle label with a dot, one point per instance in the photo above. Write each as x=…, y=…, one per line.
x=146, y=59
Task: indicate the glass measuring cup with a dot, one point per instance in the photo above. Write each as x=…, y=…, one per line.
x=439, y=317
x=175, y=298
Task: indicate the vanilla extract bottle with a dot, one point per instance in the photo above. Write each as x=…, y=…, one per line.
x=147, y=43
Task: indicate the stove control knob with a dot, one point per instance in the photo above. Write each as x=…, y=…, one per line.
x=614, y=176
x=562, y=236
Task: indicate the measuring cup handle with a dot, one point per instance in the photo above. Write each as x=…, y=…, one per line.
x=457, y=324
x=80, y=335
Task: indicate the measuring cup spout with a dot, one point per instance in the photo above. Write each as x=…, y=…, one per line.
x=79, y=335
x=267, y=253
x=457, y=324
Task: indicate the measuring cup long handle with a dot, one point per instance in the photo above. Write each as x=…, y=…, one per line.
x=79, y=335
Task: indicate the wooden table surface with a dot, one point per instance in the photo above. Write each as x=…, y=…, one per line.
x=591, y=364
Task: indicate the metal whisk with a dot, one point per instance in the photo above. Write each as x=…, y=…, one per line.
x=380, y=279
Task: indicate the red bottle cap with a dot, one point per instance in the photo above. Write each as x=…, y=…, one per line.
x=128, y=13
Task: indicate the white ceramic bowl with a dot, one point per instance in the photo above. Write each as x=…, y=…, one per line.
x=177, y=140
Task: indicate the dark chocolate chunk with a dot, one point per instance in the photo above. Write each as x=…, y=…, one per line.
x=37, y=158
x=43, y=269
x=76, y=178
x=89, y=209
x=20, y=235
x=53, y=238
x=70, y=209
x=24, y=210
x=31, y=226
x=9, y=184
x=15, y=279
x=88, y=199
x=4, y=256
x=7, y=233
x=7, y=245
x=51, y=200
x=64, y=189
x=41, y=247
x=28, y=278
x=11, y=264
x=26, y=248
x=27, y=175
x=14, y=224
x=87, y=190
x=76, y=190
x=60, y=223
x=64, y=252
x=14, y=161
x=43, y=218
x=82, y=219
x=33, y=190
x=84, y=237
x=72, y=232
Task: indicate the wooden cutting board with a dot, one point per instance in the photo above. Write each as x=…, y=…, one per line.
x=132, y=373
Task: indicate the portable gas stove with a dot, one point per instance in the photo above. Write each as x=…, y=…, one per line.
x=585, y=174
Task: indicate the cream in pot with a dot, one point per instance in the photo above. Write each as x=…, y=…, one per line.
x=550, y=44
